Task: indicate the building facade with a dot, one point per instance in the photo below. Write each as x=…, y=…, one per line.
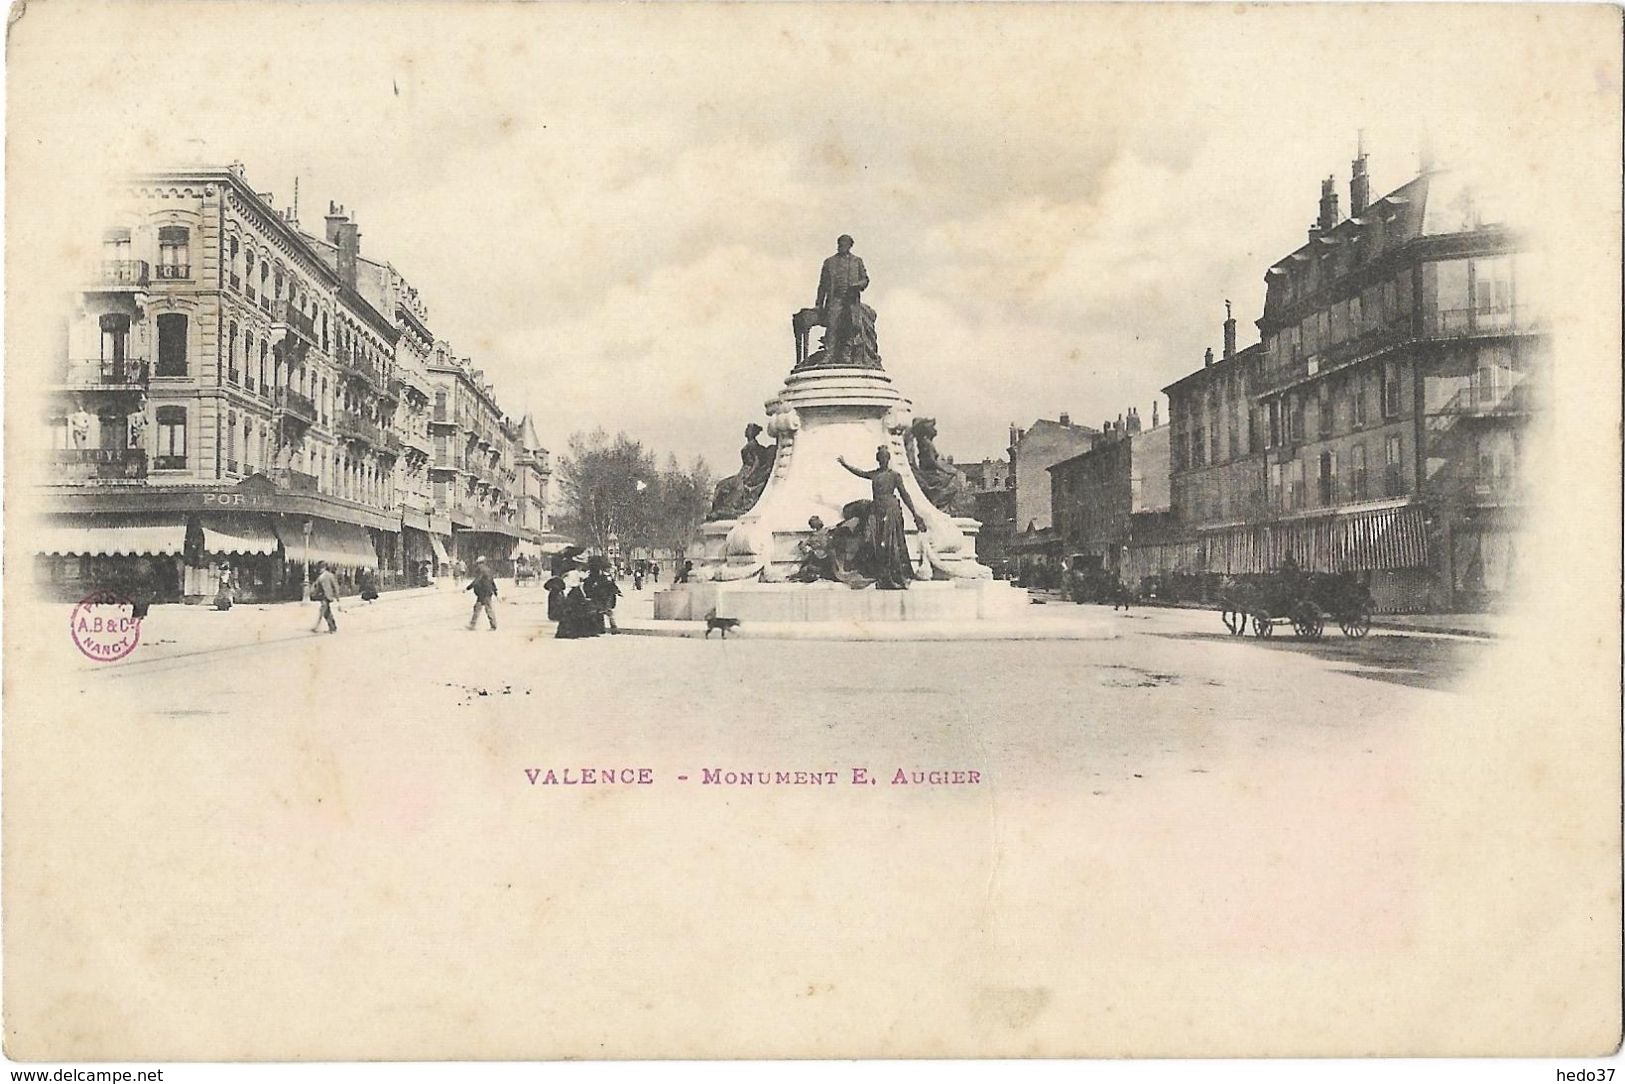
x=1112, y=496
x=1378, y=427
x=1034, y=543
x=233, y=391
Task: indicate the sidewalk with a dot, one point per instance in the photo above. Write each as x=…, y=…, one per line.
x=1487, y=626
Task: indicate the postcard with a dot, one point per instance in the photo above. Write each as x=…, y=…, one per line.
x=711, y=531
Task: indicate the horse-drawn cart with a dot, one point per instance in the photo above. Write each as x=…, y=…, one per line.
x=1306, y=601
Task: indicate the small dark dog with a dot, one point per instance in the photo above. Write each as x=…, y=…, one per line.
x=713, y=623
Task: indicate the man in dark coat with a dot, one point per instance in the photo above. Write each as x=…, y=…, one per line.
x=484, y=587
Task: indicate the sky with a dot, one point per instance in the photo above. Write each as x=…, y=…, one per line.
x=615, y=209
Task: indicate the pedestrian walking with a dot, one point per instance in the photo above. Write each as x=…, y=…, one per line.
x=484, y=587
x=637, y=578
x=325, y=591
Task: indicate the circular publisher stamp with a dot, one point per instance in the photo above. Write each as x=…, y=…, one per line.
x=104, y=626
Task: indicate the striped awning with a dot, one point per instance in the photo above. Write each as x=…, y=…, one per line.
x=134, y=535
x=237, y=534
x=1237, y=550
x=342, y=545
x=1382, y=539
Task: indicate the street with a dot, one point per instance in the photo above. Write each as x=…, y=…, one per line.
x=1215, y=798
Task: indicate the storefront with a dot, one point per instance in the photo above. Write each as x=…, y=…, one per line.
x=169, y=543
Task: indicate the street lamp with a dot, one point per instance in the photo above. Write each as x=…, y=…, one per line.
x=304, y=588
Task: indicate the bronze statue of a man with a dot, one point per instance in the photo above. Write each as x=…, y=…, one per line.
x=850, y=324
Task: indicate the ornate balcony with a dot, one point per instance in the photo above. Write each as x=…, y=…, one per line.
x=297, y=407
x=100, y=464
x=1479, y=323
x=355, y=427
x=128, y=274
x=286, y=319
x=178, y=271
x=100, y=374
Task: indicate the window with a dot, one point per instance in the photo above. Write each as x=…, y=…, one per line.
x=265, y=385
x=171, y=344
x=1487, y=384
x=1294, y=421
x=248, y=361
x=231, y=441
x=174, y=252
x=56, y=432
x=115, y=339
x=1496, y=459
x=1357, y=386
x=248, y=273
x=1294, y=485
x=233, y=373
x=1234, y=428
x=1390, y=390
x=1326, y=413
x=1392, y=482
x=116, y=246
x=1328, y=478
x=1274, y=408
x=1198, y=447
x=1357, y=482
x=171, y=453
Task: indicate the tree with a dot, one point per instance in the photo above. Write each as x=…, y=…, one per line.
x=603, y=484
x=613, y=488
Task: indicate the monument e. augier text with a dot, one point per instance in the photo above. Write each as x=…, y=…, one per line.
x=846, y=512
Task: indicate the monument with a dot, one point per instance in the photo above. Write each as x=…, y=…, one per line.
x=848, y=452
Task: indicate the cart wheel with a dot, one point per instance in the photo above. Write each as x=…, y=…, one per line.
x=1262, y=626
x=1307, y=622
x=1357, y=624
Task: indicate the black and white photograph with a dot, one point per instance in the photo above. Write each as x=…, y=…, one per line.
x=598, y=532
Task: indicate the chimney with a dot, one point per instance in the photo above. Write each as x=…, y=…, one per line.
x=1066, y=419
x=1314, y=230
x=335, y=216
x=1133, y=420
x=1359, y=183
x=345, y=236
x=1328, y=204
x=1207, y=359
x=1229, y=332
x=1154, y=407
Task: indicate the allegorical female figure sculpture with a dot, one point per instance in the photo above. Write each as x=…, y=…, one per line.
x=736, y=494
x=885, y=537
x=943, y=483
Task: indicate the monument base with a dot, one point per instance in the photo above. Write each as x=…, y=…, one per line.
x=927, y=600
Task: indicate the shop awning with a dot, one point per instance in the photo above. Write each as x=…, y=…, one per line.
x=111, y=536
x=1379, y=539
x=342, y=544
x=237, y=534
x=439, y=549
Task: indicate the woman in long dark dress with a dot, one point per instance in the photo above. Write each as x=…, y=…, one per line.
x=884, y=532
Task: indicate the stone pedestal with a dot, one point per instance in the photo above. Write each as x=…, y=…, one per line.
x=820, y=415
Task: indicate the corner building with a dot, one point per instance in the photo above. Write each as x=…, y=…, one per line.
x=1403, y=361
